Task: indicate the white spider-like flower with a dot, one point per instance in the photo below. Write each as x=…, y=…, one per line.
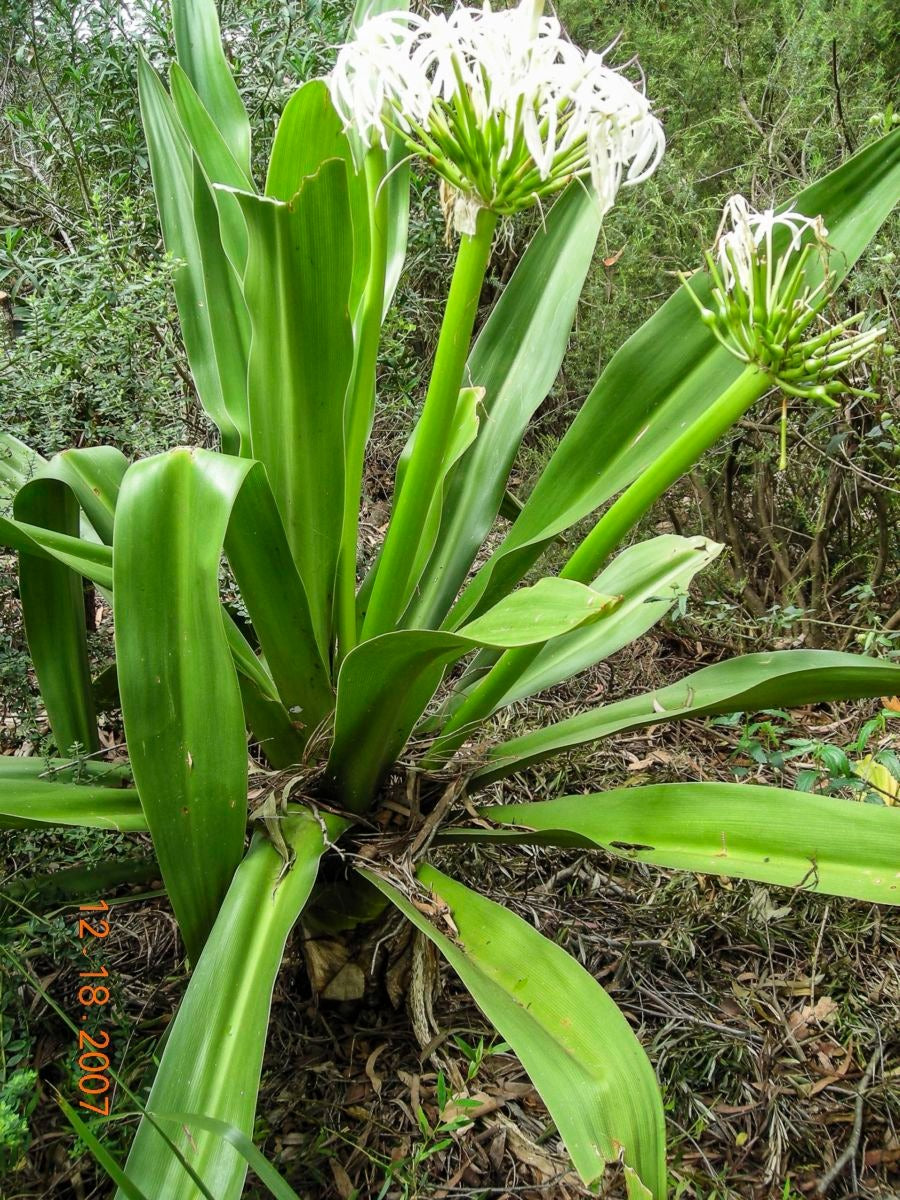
x=764, y=302
x=503, y=107
x=749, y=242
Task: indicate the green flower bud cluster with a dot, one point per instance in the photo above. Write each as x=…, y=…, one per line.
x=766, y=312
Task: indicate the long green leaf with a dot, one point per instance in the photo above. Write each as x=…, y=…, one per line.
x=64, y=770
x=198, y=44
x=34, y=803
x=516, y=358
x=204, y=324
x=570, y=1037
x=93, y=560
x=52, y=597
x=213, y=1055
x=94, y=476
x=396, y=180
x=49, y=889
x=181, y=702
x=309, y=133
x=396, y=185
x=782, y=678
x=650, y=577
x=386, y=682
x=665, y=377
x=297, y=288
x=276, y=600
x=464, y=430
x=218, y=165
x=229, y=321
x=774, y=835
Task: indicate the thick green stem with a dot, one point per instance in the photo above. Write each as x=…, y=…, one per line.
x=663, y=472
x=603, y=539
x=389, y=593
x=360, y=402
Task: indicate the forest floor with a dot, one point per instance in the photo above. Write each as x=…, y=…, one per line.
x=772, y=1016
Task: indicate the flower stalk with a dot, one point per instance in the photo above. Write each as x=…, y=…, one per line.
x=390, y=591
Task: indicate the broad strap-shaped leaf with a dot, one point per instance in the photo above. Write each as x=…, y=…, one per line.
x=49, y=889
x=516, y=359
x=774, y=835
x=27, y=803
x=205, y=320
x=181, y=701
x=463, y=432
x=53, y=611
x=198, y=44
x=571, y=1038
x=665, y=377
x=64, y=770
x=229, y=321
x=94, y=477
x=217, y=163
x=213, y=1054
x=650, y=577
x=309, y=133
x=19, y=465
x=51, y=590
x=255, y=1159
x=271, y=726
x=297, y=288
x=93, y=560
x=548, y=609
x=396, y=186
x=386, y=682
x=783, y=679
x=276, y=600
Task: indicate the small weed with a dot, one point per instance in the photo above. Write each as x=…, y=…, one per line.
x=872, y=775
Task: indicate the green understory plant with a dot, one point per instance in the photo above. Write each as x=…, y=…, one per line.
x=341, y=685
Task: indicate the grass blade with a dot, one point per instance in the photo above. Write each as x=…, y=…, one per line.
x=255, y=1159
x=126, y=1186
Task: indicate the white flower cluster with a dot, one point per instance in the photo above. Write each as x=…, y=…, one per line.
x=500, y=103
x=764, y=302
x=748, y=244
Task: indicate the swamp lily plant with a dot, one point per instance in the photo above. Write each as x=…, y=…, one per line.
x=348, y=685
